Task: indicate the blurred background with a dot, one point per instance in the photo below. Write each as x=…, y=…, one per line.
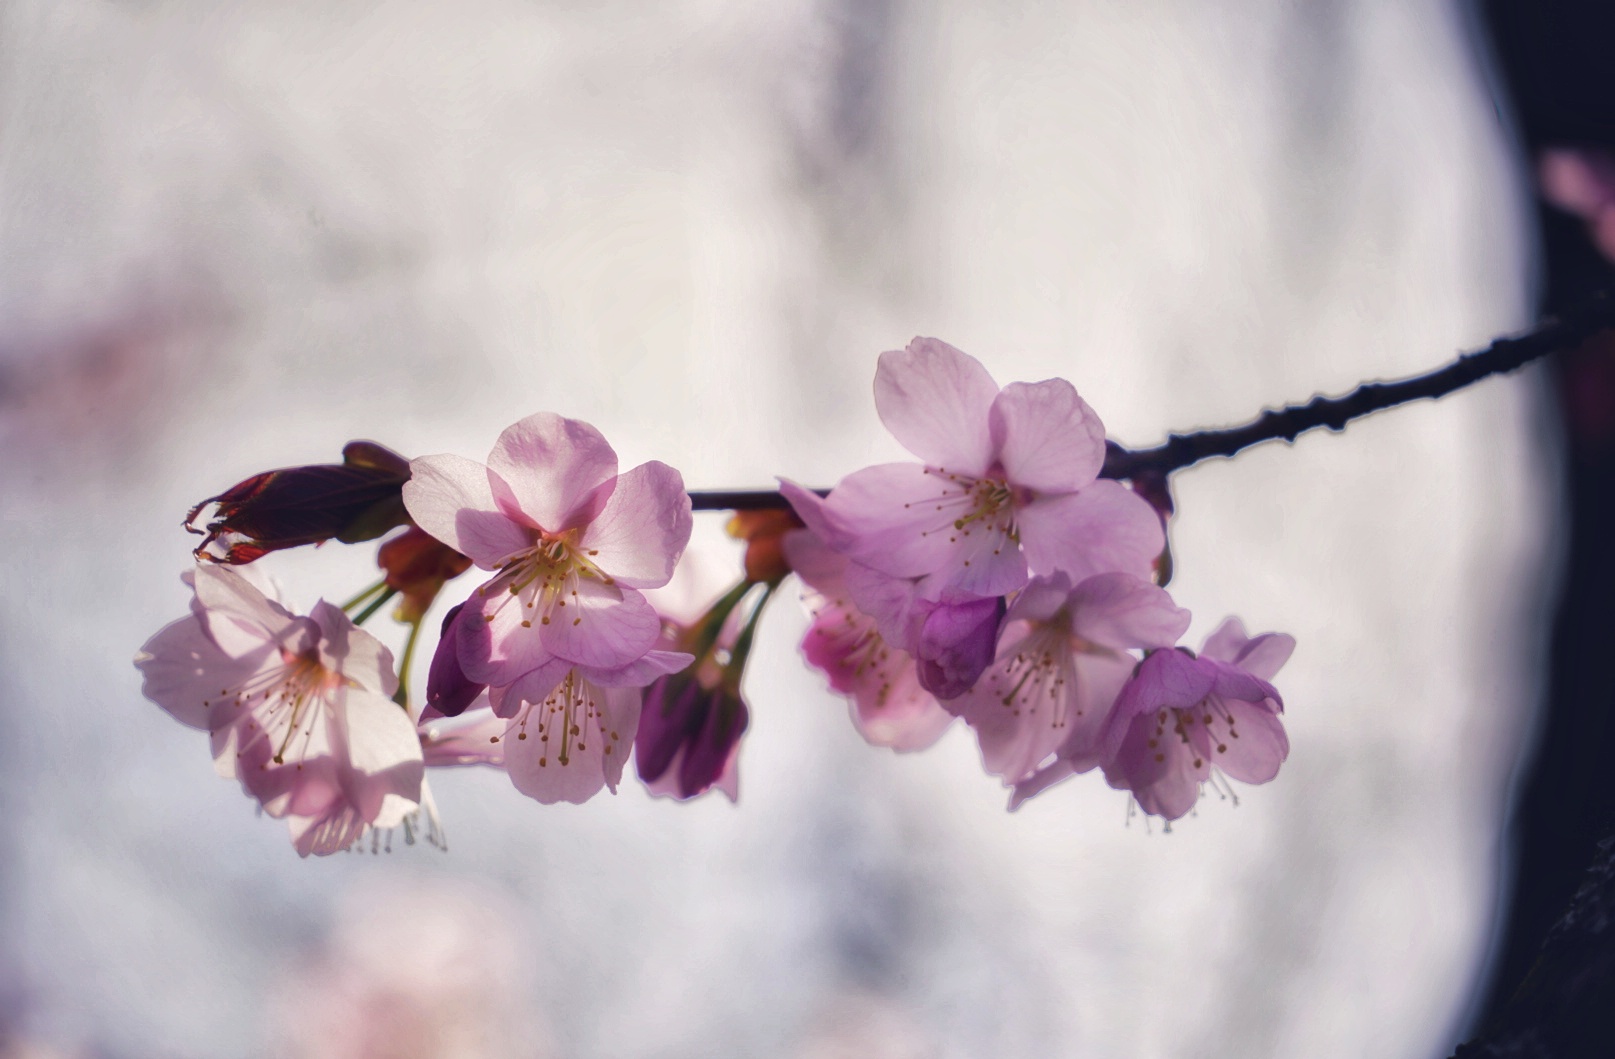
x=234, y=237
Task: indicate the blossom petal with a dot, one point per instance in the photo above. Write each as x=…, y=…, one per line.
x=1123, y=611
x=1047, y=438
x=640, y=533
x=1261, y=656
x=185, y=671
x=383, y=752
x=1254, y=745
x=889, y=707
x=641, y=671
x=240, y=618
x=603, y=627
x=1040, y=781
x=452, y=498
x=935, y=400
x=956, y=644
x=1101, y=528
x=568, y=765
x=1162, y=777
x=552, y=467
x=894, y=517
x=476, y=740
x=347, y=649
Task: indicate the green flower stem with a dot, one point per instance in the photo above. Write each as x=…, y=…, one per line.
x=364, y=615
x=402, y=695
x=366, y=594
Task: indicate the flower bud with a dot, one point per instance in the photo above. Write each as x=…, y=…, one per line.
x=417, y=565
x=358, y=499
x=448, y=690
x=764, y=533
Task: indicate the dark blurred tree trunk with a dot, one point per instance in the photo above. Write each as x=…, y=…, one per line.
x=1556, y=79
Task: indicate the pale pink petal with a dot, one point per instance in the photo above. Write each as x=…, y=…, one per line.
x=1122, y=611
x=641, y=671
x=550, y=762
x=1226, y=642
x=984, y=560
x=1100, y=679
x=889, y=707
x=1022, y=706
x=186, y=673
x=552, y=467
x=347, y=649
x=534, y=686
x=473, y=738
x=451, y=498
x=897, y=518
x=1047, y=437
x=811, y=508
x=602, y=627
x=383, y=752
x=640, y=533
x=1103, y=527
x=811, y=558
x=1252, y=746
x=241, y=620
x=1040, y=781
x=1166, y=679
x=1041, y=599
x=1265, y=655
x=935, y=400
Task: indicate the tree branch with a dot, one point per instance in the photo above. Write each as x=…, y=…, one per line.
x=1185, y=450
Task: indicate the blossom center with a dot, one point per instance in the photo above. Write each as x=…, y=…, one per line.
x=281, y=703
x=546, y=577
x=969, y=505
x=567, y=717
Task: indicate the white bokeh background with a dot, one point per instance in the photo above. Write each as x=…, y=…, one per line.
x=233, y=237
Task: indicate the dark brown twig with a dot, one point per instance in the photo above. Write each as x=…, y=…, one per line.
x=1185, y=450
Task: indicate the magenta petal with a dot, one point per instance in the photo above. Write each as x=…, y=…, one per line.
x=552, y=467
x=450, y=497
x=935, y=400
x=640, y=533
x=1047, y=437
x=1163, y=778
x=1102, y=528
x=956, y=644
x=1253, y=746
x=1122, y=611
x=448, y=690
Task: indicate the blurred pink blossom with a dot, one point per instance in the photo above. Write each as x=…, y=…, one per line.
x=888, y=706
x=1582, y=181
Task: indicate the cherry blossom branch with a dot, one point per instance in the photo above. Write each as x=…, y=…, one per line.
x=1185, y=450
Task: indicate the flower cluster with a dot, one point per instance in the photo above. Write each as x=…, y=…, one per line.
x=1000, y=580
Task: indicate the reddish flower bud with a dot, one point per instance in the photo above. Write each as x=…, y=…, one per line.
x=764, y=532
x=358, y=499
x=417, y=565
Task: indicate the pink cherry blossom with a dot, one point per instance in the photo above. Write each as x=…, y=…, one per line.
x=1180, y=717
x=299, y=708
x=1008, y=484
x=569, y=728
x=1062, y=659
x=888, y=705
x=571, y=543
